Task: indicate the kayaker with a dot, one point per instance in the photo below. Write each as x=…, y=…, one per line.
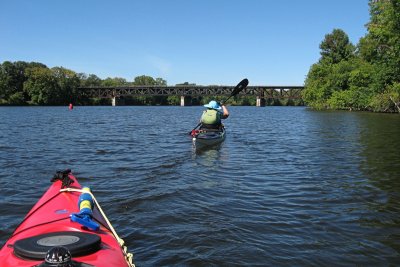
x=212, y=116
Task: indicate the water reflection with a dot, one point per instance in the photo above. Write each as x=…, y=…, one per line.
x=381, y=165
x=382, y=155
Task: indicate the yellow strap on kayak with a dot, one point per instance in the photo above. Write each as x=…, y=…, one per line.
x=121, y=242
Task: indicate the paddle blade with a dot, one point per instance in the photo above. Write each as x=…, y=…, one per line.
x=243, y=84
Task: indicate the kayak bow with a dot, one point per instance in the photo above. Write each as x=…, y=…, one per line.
x=67, y=219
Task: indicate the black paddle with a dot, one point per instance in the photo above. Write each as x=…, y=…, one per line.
x=238, y=88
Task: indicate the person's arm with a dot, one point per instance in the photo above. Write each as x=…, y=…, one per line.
x=225, y=113
x=201, y=117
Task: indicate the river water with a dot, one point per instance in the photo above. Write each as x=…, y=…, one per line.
x=288, y=187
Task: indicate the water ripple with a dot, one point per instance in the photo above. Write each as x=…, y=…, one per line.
x=288, y=187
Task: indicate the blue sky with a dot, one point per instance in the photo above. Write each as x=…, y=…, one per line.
x=207, y=42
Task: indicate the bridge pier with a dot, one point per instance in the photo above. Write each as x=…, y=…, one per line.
x=182, y=101
x=260, y=101
x=117, y=101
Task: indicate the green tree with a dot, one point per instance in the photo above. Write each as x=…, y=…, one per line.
x=68, y=82
x=88, y=81
x=111, y=82
x=12, y=78
x=173, y=100
x=160, y=81
x=42, y=87
x=336, y=47
x=331, y=73
x=17, y=99
x=382, y=43
x=317, y=89
x=381, y=47
x=148, y=80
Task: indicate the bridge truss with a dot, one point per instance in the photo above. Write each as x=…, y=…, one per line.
x=265, y=92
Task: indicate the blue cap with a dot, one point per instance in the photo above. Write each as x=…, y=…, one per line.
x=213, y=105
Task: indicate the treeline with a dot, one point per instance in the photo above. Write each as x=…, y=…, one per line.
x=32, y=83
x=365, y=76
x=23, y=83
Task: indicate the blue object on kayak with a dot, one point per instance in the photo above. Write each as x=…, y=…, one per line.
x=85, y=214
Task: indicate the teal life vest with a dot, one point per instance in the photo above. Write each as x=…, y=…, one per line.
x=211, y=117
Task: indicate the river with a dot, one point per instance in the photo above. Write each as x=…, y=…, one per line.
x=288, y=187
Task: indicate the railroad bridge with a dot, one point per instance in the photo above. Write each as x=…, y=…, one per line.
x=261, y=92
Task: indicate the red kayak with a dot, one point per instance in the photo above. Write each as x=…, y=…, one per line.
x=66, y=227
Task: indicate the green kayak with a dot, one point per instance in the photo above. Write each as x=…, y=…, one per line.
x=208, y=137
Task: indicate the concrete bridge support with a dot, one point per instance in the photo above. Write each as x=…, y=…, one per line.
x=117, y=101
x=182, y=101
x=260, y=101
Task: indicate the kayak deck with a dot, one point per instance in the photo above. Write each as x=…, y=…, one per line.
x=49, y=223
x=203, y=137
